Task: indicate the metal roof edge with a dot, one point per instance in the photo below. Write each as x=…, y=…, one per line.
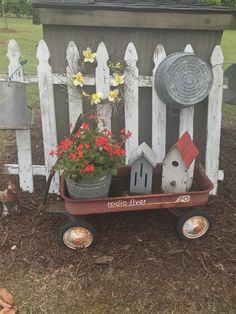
x=133, y=7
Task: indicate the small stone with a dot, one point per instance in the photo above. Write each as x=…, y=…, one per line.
x=104, y=260
x=13, y=248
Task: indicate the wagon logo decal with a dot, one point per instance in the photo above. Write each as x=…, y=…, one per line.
x=183, y=199
x=144, y=202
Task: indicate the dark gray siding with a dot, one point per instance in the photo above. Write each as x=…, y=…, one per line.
x=145, y=41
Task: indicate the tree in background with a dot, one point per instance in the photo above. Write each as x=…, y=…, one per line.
x=3, y=13
x=226, y=3
x=16, y=7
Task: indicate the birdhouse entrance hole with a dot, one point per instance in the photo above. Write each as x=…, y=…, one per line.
x=175, y=163
x=141, y=170
x=141, y=175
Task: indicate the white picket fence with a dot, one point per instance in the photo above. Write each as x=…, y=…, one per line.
x=46, y=79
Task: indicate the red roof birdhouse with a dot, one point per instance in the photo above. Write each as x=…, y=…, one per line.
x=177, y=175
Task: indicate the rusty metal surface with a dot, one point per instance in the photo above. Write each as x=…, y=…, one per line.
x=140, y=202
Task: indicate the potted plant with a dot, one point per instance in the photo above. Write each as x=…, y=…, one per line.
x=90, y=158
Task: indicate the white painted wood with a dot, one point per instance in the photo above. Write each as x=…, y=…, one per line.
x=131, y=98
x=74, y=96
x=186, y=124
x=175, y=179
x=214, y=119
x=221, y=175
x=102, y=74
x=143, y=150
x=22, y=136
x=158, y=110
x=48, y=118
x=14, y=56
x=38, y=170
x=186, y=114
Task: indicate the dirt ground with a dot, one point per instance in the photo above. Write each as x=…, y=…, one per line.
x=150, y=270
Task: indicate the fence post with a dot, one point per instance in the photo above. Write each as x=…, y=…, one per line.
x=102, y=76
x=186, y=124
x=214, y=119
x=22, y=136
x=158, y=110
x=46, y=96
x=74, y=96
x=131, y=98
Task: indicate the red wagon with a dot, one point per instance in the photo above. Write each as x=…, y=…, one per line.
x=192, y=224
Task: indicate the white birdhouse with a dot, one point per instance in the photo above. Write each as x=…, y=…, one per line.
x=175, y=173
x=142, y=161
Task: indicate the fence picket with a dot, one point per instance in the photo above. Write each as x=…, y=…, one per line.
x=158, y=110
x=74, y=96
x=131, y=98
x=23, y=140
x=186, y=114
x=186, y=124
x=46, y=97
x=102, y=75
x=214, y=119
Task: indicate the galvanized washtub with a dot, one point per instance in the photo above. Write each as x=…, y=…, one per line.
x=13, y=106
x=183, y=79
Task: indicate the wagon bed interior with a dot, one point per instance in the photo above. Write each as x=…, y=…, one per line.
x=120, y=184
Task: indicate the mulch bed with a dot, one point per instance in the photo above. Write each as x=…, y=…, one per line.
x=130, y=239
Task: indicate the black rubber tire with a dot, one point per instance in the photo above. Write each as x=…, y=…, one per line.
x=84, y=224
x=188, y=215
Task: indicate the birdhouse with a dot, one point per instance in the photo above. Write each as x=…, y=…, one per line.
x=142, y=161
x=176, y=174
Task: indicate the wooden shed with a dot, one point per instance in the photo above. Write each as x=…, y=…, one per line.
x=156, y=29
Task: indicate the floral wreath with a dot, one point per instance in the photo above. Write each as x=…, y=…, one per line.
x=115, y=95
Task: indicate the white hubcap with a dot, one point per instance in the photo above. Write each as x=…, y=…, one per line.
x=77, y=238
x=195, y=227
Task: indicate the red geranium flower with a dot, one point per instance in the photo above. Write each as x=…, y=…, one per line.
x=101, y=140
x=84, y=126
x=91, y=152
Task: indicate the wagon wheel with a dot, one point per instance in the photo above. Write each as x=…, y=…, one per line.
x=77, y=235
x=194, y=224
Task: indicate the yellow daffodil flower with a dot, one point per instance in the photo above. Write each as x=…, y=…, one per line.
x=85, y=94
x=116, y=65
x=113, y=95
x=89, y=56
x=117, y=79
x=78, y=79
x=96, y=98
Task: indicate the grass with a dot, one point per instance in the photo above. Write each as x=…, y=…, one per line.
x=27, y=36
x=229, y=47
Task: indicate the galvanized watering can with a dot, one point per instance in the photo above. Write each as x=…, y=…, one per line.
x=183, y=79
x=13, y=111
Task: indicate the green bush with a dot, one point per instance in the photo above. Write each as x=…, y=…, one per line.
x=226, y=3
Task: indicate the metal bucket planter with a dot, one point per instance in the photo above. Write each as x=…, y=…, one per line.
x=183, y=79
x=13, y=106
x=97, y=188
